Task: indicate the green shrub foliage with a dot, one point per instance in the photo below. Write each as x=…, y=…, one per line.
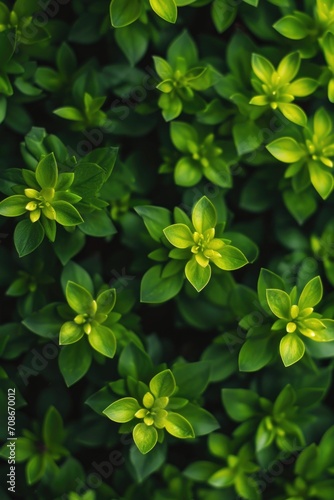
x=167, y=249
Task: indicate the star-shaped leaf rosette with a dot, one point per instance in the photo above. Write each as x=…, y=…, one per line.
x=197, y=243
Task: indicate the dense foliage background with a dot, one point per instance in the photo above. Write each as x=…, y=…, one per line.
x=167, y=249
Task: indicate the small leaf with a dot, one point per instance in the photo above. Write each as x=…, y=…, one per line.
x=292, y=349
x=167, y=9
x=311, y=294
x=78, y=298
x=123, y=410
x=178, y=426
x=103, y=340
x=13, y=206
x=28, y=236
x=35, y=469
x=163, y=384
x=145, y=437
x=204, y=215
x=293, y=113
x=286, y=149
x=197, y=275
x=262, y=68
x=66, y=214
x=279, y=303
x=181, y=133
x=74, y=361
x=70, y=332
x=106, y=301
x=321, y=179
x=231, y=258
x=291, y=27
x=179, y=235
x=47, y=172
x=124, y=13
x=289, y=67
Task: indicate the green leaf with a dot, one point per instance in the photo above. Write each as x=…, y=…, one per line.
x=303, y=87
x=292, y=349
x=279, y=303
x=106, y=301
x=47, y=172
x=135, y=363
x=66, y=214
x=155, y=289
x=204, y=215
x=103, y=340
x=46, y=322
x=286, y=149
x=67, y=245
x=200, y=471
x=123, y=410
x=256, y=353
x=35, y=469
x=197, y=275
x=53, y=430
x=188, y=172
x=311, y=294
x=98, y=224
x=145, y=465
x=201, y=420
x=181, y=134
x=322, y=123
x=262, y=68
x=191, y=378
x=247, y=137
x=179, y=235
x=163, y=384
x=156, y=219
x=171, y=105
x=88, y=180
x=69, y=113
x=13, y=206
x=25, y=449
x=145, y=437
x=231, y=258
x=178, y=426
x=124, y=13
x=70, y=332
x=291, y=27
x=300, y=205
x=74, y=361
x=79, y=299
x=321, y=179
x=293, y=113
x=133, y=41
x=28, y=236
x=222, y=478
x=285, y=400
x=223, y=15
x=240, y=404
x=167, y=9
x=182, y=46
x=76, y=273
x=289, y=67
x=163, y=68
